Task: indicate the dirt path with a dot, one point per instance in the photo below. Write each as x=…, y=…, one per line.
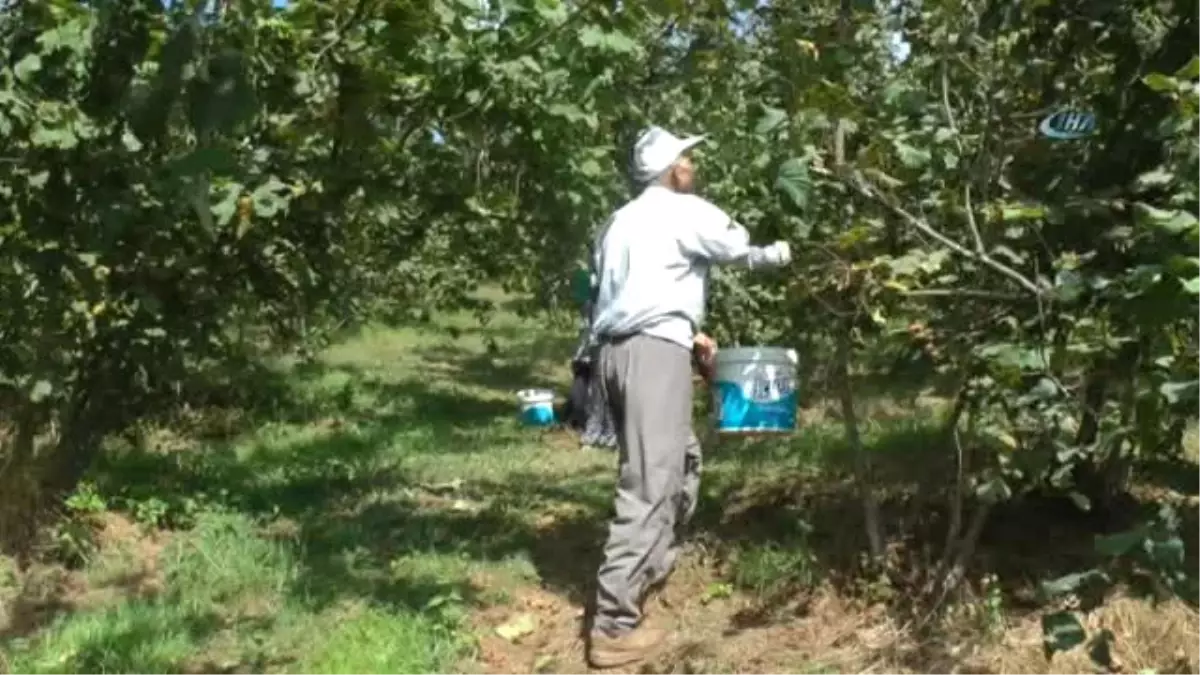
x=820, y=634
x=715, y=630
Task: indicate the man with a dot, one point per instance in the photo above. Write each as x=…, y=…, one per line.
x=652, y=261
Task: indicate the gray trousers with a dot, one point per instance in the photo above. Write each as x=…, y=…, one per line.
x=648, y=384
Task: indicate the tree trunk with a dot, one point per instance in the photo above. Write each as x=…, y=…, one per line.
x=862, y=460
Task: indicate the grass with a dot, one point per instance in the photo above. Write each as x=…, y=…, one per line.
x=383, y=511
x=340, y=534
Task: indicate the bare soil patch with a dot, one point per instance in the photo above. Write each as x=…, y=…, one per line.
x=842, y=621
x=45, y=591
x=822, y=632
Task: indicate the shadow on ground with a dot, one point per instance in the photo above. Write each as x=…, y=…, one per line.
x=506, y=370
x=342, y=502
x=353, y=511
x=338, y=494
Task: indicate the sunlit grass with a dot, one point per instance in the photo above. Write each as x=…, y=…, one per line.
x=342, y=535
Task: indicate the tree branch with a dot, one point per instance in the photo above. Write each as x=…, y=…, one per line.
x=356, y=15
x=962, y=293
x=523, y=50
x=968, y=206
x=856, y=182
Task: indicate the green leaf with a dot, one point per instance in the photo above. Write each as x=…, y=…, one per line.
x=1118, y=544
x=1159, y=82
x=1080, y=501
x=1061, y=632
x=1044, y=390
x=1191, y=286
x=994, y=491
x=615, y=42
x=270, y=198
x=1012, y=356
x=1190, y=70
x=27, y=67
x=1165, y=554
x=73, y=35
x=530, y=64
x=568, y=111
x=590, y=168
x=1176, y=392
x=40, y=391
x=1155, y=178
x=771, y=120
x=1181, y=265
x=63, y=138
x=1179, y=222
x=1068, y=285
x=888, y=181
x=130, y=141
x=794, y=182
x=1174, y=222
x=445, y=14
x=304, y=84
x=224, y=208
x=1072, y=583
x=553, y=12
x=1019, y=212
x=910, y=156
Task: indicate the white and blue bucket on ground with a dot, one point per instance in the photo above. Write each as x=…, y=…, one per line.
x=755, y=390
x=537, y=407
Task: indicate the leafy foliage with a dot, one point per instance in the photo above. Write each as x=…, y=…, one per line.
x=185, y=182
x=188, y=181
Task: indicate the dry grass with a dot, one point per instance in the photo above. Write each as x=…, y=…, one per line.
x=801, y=605
x=827, y=633
x=1147, y=638
x=124, y=564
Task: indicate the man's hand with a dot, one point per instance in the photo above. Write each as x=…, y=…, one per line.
x=780, y=253
x=704, y=350
x=705, y=347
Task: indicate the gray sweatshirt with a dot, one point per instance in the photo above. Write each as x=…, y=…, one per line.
x=651, y=264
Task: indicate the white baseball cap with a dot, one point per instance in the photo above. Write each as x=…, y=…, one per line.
x=656, y=150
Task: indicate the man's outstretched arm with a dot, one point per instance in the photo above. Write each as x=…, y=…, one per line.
x=712, y=235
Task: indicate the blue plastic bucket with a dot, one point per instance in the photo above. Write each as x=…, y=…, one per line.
x=755, y=390
x=537, y=407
